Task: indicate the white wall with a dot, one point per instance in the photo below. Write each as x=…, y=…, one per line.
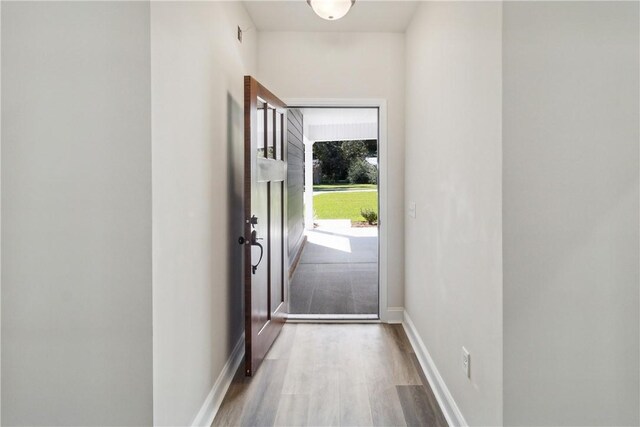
x=76, y=214
x=453, y=290
x=348, y=65
x=571, y=236
x=0, y=217
x=197, y=119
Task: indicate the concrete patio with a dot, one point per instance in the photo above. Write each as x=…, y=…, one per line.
x=338, y=271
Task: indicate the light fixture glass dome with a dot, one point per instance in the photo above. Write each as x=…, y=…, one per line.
x=331, y=9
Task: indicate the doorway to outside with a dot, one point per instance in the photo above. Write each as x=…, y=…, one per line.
x=333, y=209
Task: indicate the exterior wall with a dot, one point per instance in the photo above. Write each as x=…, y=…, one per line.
x=295, y=183
x=571, y=235
x=453, y=175
x=348, y=65
x=197, y=72
x=76, y=214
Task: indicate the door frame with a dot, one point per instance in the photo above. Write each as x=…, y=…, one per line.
x=387, y=314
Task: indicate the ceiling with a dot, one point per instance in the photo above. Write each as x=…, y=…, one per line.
x=340, y=124
x=365, y=16
x=332, y=116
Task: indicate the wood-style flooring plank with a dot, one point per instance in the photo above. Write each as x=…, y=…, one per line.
x=293, y=410
x=441, y=421
x=231, y=408
x=284, y=344
x=399, y=351
x=385, y=361
x=416, y=412
x=386, y=409
x=355, y=409
x=324, y=399
x=397, y=335
x=334, y=374
x=262, y=404
x=297, y=378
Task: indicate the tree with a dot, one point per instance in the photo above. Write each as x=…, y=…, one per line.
x=352, y=150
x=361, y=172
x=337, y=158
x=332, y=163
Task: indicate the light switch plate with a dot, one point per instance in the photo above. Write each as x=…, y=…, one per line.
x=466, y=362
x=412, y=209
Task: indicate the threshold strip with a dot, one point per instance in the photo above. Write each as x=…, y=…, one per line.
x=333, y=318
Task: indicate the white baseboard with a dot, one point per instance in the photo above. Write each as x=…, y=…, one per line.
x=449, y=407
x=395, y=315
x=213, y=401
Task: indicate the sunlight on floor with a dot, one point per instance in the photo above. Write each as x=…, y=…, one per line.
x=332, y=241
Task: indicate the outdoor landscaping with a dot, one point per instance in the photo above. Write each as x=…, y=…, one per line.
x=345, y=204
x=345, y=181
x=344, y=187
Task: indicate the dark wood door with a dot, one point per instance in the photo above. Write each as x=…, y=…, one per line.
x=264, y=237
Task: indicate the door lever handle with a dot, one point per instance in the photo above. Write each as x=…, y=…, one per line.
x=242, y=240
x=254, y=242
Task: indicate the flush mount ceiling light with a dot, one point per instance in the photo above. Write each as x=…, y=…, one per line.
x=331, y=9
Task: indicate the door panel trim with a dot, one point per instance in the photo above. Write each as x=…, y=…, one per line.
x=266, y=170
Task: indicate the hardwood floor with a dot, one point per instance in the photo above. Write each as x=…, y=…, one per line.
x=334, y=375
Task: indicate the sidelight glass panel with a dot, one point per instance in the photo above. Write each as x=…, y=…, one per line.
x=278, y=144
x=261, y=128
x=270, y=132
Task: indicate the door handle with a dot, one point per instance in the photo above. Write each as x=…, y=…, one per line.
x=254, y=242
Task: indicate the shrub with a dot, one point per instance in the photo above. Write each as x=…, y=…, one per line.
x=361, y=172
x=369, y=215
x=373, y=174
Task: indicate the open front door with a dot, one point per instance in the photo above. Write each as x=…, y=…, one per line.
x=265, y=172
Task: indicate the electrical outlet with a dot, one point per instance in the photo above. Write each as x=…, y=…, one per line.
x=239, y=34
x=466, y=362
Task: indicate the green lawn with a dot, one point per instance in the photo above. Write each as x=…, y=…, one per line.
x=344, y=187
x=344, y=205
